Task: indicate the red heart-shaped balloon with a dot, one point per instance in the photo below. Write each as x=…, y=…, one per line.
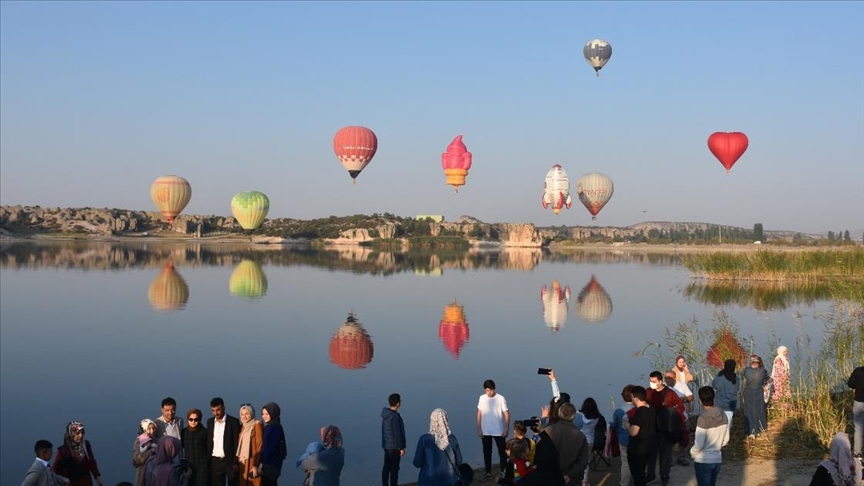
x=728, y=147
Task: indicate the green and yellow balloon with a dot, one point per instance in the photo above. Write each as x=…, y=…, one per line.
x=250, y=208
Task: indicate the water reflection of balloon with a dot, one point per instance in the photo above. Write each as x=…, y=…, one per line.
x=456, y=161
x=555, y=301
x=726, y=346
x=354, y=147
x=593, y=304
x=248, y=280
x=168, y=291
x=170, y=194
x=594, y=191
x=556, y=190
x=351, y=347
x=453, y=329
x=250, y=208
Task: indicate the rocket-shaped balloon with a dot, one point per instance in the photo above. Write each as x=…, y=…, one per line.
x=557, y=190
x=456, y=161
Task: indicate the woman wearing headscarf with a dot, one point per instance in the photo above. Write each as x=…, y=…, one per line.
x=74, y=459
x=841, y=469
x=438, y=455
x=726, y=388
x=194, y=439
x=163, y=468
x=755, y=413
x=323, y=468
x=780, y=374
x=143, y=447
x=249, y=446
x=274, y=449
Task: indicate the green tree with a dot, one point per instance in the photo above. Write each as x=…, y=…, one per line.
x=757, y=232
x=846, y=237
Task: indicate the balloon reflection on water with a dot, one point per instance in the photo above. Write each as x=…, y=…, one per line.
x=555, y=301
x=248, y=280
x=453, y=330
x=351, y=347
x=168, y=291
x=593, y=304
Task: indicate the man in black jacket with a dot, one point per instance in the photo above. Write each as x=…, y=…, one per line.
x=222, y=438
x=392, y=440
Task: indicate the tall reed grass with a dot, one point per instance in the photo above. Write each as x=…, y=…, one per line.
x=845, y=264
x=820, y=404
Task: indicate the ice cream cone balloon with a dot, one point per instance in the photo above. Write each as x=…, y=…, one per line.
x=456, y=161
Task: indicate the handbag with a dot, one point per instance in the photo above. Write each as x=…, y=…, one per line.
x=461, y=481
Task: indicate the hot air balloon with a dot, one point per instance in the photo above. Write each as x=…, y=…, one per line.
x=248, y=280
x=355, y=147
x=593, y=303
x=726, y=346
x=597, y=53
x=456, y=161
x=351, y=347
x=555, y=301
x=170, y=194
x=453, y=329
x=594, y=190
x=250, y=208
x=168, y=291
x=557, y=190
x=728, y=147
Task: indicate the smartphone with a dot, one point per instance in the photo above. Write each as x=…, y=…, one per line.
x=544, y=371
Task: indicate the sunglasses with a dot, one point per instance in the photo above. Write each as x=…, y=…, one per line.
x=194, y=419
x=245, y=405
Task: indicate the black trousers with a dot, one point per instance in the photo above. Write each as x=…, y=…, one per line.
x=390, y=472
x=223, y=470
x=637, y=461
x=662, y=451
x=500, y=443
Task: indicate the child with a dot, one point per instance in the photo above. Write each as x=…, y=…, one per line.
x=519, y=431
x=517, y=466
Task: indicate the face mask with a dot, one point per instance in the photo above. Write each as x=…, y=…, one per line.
x=653, y=385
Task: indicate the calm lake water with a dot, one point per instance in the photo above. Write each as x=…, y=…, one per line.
x=101, y=332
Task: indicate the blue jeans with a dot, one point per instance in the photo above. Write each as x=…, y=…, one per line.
x=858, y=418
x=706, y=474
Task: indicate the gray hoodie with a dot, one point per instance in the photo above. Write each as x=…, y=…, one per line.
x=712, y=433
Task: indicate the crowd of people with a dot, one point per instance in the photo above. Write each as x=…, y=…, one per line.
x=552, y=449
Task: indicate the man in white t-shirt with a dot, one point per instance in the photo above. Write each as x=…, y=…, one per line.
x=686, y=396
x=493, y=423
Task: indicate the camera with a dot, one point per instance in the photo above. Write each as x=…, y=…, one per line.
x=531, y=423
x=544, y=371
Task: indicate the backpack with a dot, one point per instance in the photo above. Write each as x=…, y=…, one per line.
x=600, y=434
x=669, y=423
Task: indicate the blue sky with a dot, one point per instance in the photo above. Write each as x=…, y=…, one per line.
x=98, y=99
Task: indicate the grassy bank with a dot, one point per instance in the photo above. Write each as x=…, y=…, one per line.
x=844, y=265
x=820, y=404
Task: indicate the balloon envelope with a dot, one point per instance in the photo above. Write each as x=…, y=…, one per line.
x=597, y=53
x=168, y=291
x=594, y=191
x=556, y=190
x=248, y=280
x=354, y=147
x=170, y=194
x=728, y=147
x=250, y=208
x=456, y=161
